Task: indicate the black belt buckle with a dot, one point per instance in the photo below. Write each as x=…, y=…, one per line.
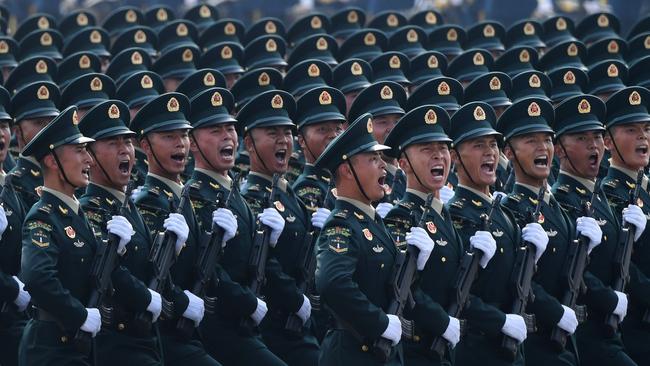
x=315, y=302
x=210, y=304
x=531, y=323
x=581, y=313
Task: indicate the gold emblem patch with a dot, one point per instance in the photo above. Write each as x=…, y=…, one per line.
x=208, y=79
x=569, y=78
x=277, y=102
x=603, y=21
x=367, y=234
x=270, y=27
x=136, y=58
x=205, y=12
x=161, y=15
x=572, y=50
x=478, y=59
x=534, y=110
x=69, y=231
x=412, y=36
x=452, y=35
x=431, y=227
x=313, y=71
x=316, y=23
x=139, y=36
x=181, y=30
x=430, y=118
x=325, y=98
x=488, y=31
x=524, y=56
x=612, y=71
x=216, y=99
x=46, y=39
x=369, y=39
x=229, y=29
x=113, y=112
x=263, y=79
x=41, y=67
x=278, y=206
x=271, y=46
x=479, y=114
x=529, y=29
x=386, y=93
x=43, y=93
x=43, y=23
x=584, y=107
x=95, y=37
x=443, y=88
x=130, y=16
x=146, y=82
x=534, y=82
x=353, y=17
x=172, y=105
x=394, y=62
x=612, y=47
x=392, y=20
x=356, y=69
x=321, y=44
x=226, y=53
x=96, y=84
x=634, y=98
x=432, y=62
x=495, y=83
x=188, y=56
x=560, y=24
x=431, y=18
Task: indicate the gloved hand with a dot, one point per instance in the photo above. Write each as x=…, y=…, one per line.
x=272, y=218
x=515, y=327
x=535, y=234
x=260, y=312
x=544, y=8
x=305, y=310
x=568, y=322
x=319, y=217
x=135, y=192
x=621, y=305
x=155, y=304
x=383, y=208
x=419, y=238
x=23, y=298
x=634, y=215
x=225, y=219
x=496, y=194
x=195, y=309
x=446, y=194
x=393, y=331
x=121, y=227
x=588, y=227
x=483, y=241
x=3, y=221
x=452, y=333
x=176, y=223
x=93, y=322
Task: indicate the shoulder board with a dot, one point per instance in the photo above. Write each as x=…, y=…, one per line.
x=253, y=188
x=47, y=208
x=95, y=201
x=612, y=183
x=37, y=224
x=94, y=216
x=564, y=188
x=343, y=214
x=406, y=204
x=196, y=185
x=312, y=177
x=516, y=197
x=154, y=190
x=458, y=203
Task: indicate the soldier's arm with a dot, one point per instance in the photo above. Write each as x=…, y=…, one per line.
x=338, y=254
x=40, y=274
x=8, y=288
x=427, y=312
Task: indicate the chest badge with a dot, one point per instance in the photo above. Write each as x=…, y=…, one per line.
x=497, y=233
x=432, y=227
x=358, y=215
x=69, y=231
x=367, y=234
x=601, y=222
x=35, y=173
x=639, y=202
x=540, y=220
x=581, y=191
x=78, y=243
x=377, y=248
x=441, y=242
x=291, y=218
x=477, y=203
x=551, y=233
x=278, y=206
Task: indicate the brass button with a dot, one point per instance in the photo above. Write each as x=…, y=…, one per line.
x=120, y=326
x=554, y=249
x=416, y=338
x=364, y=348
x=443, y=259
x=64, y=339
x=501, y=250
x=82, y=260
x=605, y=237
x=382, y=266
x=135, y=248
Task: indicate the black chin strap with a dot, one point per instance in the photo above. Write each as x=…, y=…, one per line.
x=567, y=155
x=616, y=146
x=58, y=162
x=518, y=162
x=202, y=154
x=90, y=150
x=465, y=169
x=259, y=157
x=413, y=169
x=307, y=146
x=356, y=178
x=153, y=153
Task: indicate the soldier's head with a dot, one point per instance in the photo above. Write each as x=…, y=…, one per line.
x=5, y=124
x=213, y=140
x=33, y=108
x=320, y=118
x=384, y=101
x=579, y=135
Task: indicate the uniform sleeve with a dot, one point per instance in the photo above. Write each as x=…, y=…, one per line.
x=547, y=309
x=309, y=194
x=599, y=296
x=338, y=254
x=234, y=299
x=8, y=288
x=427, y=312
x=40, y=274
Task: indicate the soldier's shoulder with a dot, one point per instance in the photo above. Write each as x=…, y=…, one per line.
x=400, y=213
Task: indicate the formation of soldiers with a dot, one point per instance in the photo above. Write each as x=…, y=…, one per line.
x=191, y=191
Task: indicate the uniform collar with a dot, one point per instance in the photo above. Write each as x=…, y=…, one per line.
x=71, y=202
x=480, y=194
x=119, y=195
x=437, y=205
x=175, y=187
x=503, y=161
x=365, y=208
x=3, y=175
x=31, y=159
x=630, y=173
x=392, y=169
x=224, y=181
x=282, y=183
x=587, y=183
x=534, y=190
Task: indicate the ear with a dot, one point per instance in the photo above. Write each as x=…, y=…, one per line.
x=608, y=139
x=344, y=171
x=404, y=163
x=559, y=151
x=144, y=144
x=248, y=143
x=49, y=162
x=193, y=147
x=507, y=151
x=301, y=140
x=454, y=155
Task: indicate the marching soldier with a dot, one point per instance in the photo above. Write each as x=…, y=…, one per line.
x=113, y=156
x=267, y=127
x=162, y=128
x=489, y=316
x=356, y=254
x=213, y=141
x=580, y=146
x=58, y=249
x=627, y=139
x=421, y=144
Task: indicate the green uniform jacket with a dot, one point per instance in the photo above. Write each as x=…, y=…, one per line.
x=11, y=245
x=356, y=256
x=27, y=178
x=311, y=186
x=397, y=184
x=140, y=169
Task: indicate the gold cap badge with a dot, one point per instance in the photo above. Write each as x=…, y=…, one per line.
x=369, y=125
x=146, y=82
x=277, y=102
x=46, y=39
x=386, y=93
x=130, y=16
x=479, y=114
x=316, y=23
x=226, y=53
x=96, y=84
x=584, y=107
x=208, y=79
x=43, y=93
x=569, y=78
x=41, y=67
x=443, y=88
x=495, y=83
x=356, y=69
x=95, y=37
x=478, y=59
x=430, y=118
x=113, y=112
x=270, y=27
x=392, y=20
x=534, y=81
x=271, y=46
x=188, y=56
x=488, y=31
x=534, y=110
x=394, y=62
x=369, y=39
x=452, y=35
x=635, y=98
x=325, y=98
x=216, y=99
x=313, y=71
x=603, y=21
x=263, y=79
x=136, y=58
x=172, y=105
x=181, y=30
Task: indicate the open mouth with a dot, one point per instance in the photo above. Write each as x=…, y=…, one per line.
x=281, y=156
x=541, y=161
x=2, y=145
x=381, y=180
x=437, y=171
x=593, y=159
x=488, y=167
x=643, y=149
x=180, y=157
x=86, y=173
x=124, y=167
x=227, y=152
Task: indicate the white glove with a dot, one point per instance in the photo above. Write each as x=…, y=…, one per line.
x=568, y=322
x=305, y=310
x=483, y=241
x=393, y=331
x=23, y=298
x=634, y=215
x=452, y=333
x=515, y=327
x=535, y=234
x=319, y=217
x=446, y=194
x=260, y=312
x=155, y=305
x=544, y=8
x=621, y=306
x=225, y=219
x=93, y=322
x=419, y=238
x=3, y=221
x=176, y=223
x=383, y=208
x=135, y=192
x=121, y=227
x=272, y=218
x=496, y=194
x=588, y=227
x=195, y=308
x=456, y=2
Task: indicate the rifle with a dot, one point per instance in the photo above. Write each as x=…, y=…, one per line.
x=208, y=259
x=260, y=250
x=403, y=275
x=105, y=261
x=467, y=273
x=7, y=187
x=523, y=275
x=306, y=269
x=577, y=264
x=162, y=257
x=624, y=255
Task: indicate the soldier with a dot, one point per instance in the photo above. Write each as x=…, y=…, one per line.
x=267, y=127
x=163, y=129
x=113, y=156
x=580, y=146
x=627, y=140
x=213, y=141
x=421, y=144
x=33, y=108
x=356, y=254
x=58, y=248
x=13, y=297
x=529, y=145
x=489, y=316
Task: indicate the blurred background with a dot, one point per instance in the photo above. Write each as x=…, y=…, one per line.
x=462, y=12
